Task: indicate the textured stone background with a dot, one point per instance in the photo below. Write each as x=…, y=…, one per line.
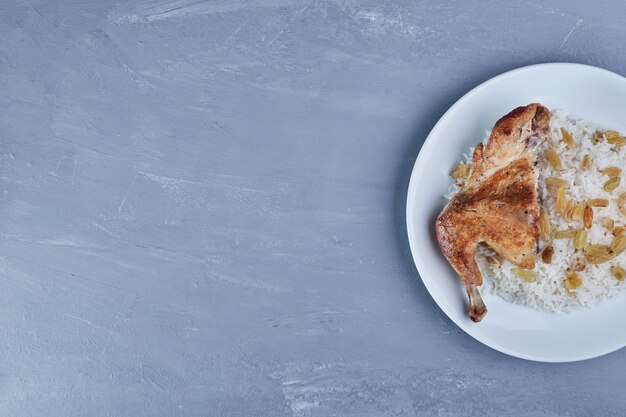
x=203, y=207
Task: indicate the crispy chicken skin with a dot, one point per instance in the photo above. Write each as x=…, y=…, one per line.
x=498, y=202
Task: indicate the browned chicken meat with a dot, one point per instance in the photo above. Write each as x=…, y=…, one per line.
x=497, y=204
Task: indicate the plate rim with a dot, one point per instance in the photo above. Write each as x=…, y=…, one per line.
x=427, y=145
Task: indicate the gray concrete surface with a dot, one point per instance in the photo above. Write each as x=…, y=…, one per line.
x=202, y=207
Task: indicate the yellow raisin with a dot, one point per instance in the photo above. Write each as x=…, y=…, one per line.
x=611, y=184
x=554, y=159
x=597, y=254
x=572, y=281
x=585, y=163
x=619, y=230
x=567, y=138
x=621, y=141
x=567, y=212
x=588, y=217
x=607, y=222
x=612, y=171
x=599, y=259
x=546, y=227
x=618, y=272
x=618, y=142
x=560, y=200
x=595, y=249
x=618, y=245
x=580, y=239
x=578, y=212
x=557, y=182
x=621, y=203
x=610, y=134
x=524, y=274
x=564, y=234
x=598, y=202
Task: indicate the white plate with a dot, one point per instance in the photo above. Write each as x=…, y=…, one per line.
x=588, y=92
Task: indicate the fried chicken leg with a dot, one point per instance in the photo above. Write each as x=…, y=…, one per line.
x=498, y=202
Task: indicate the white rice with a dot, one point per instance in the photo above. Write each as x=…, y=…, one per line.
x=548, y=292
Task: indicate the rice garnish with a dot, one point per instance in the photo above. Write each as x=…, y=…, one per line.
x=582, y=200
